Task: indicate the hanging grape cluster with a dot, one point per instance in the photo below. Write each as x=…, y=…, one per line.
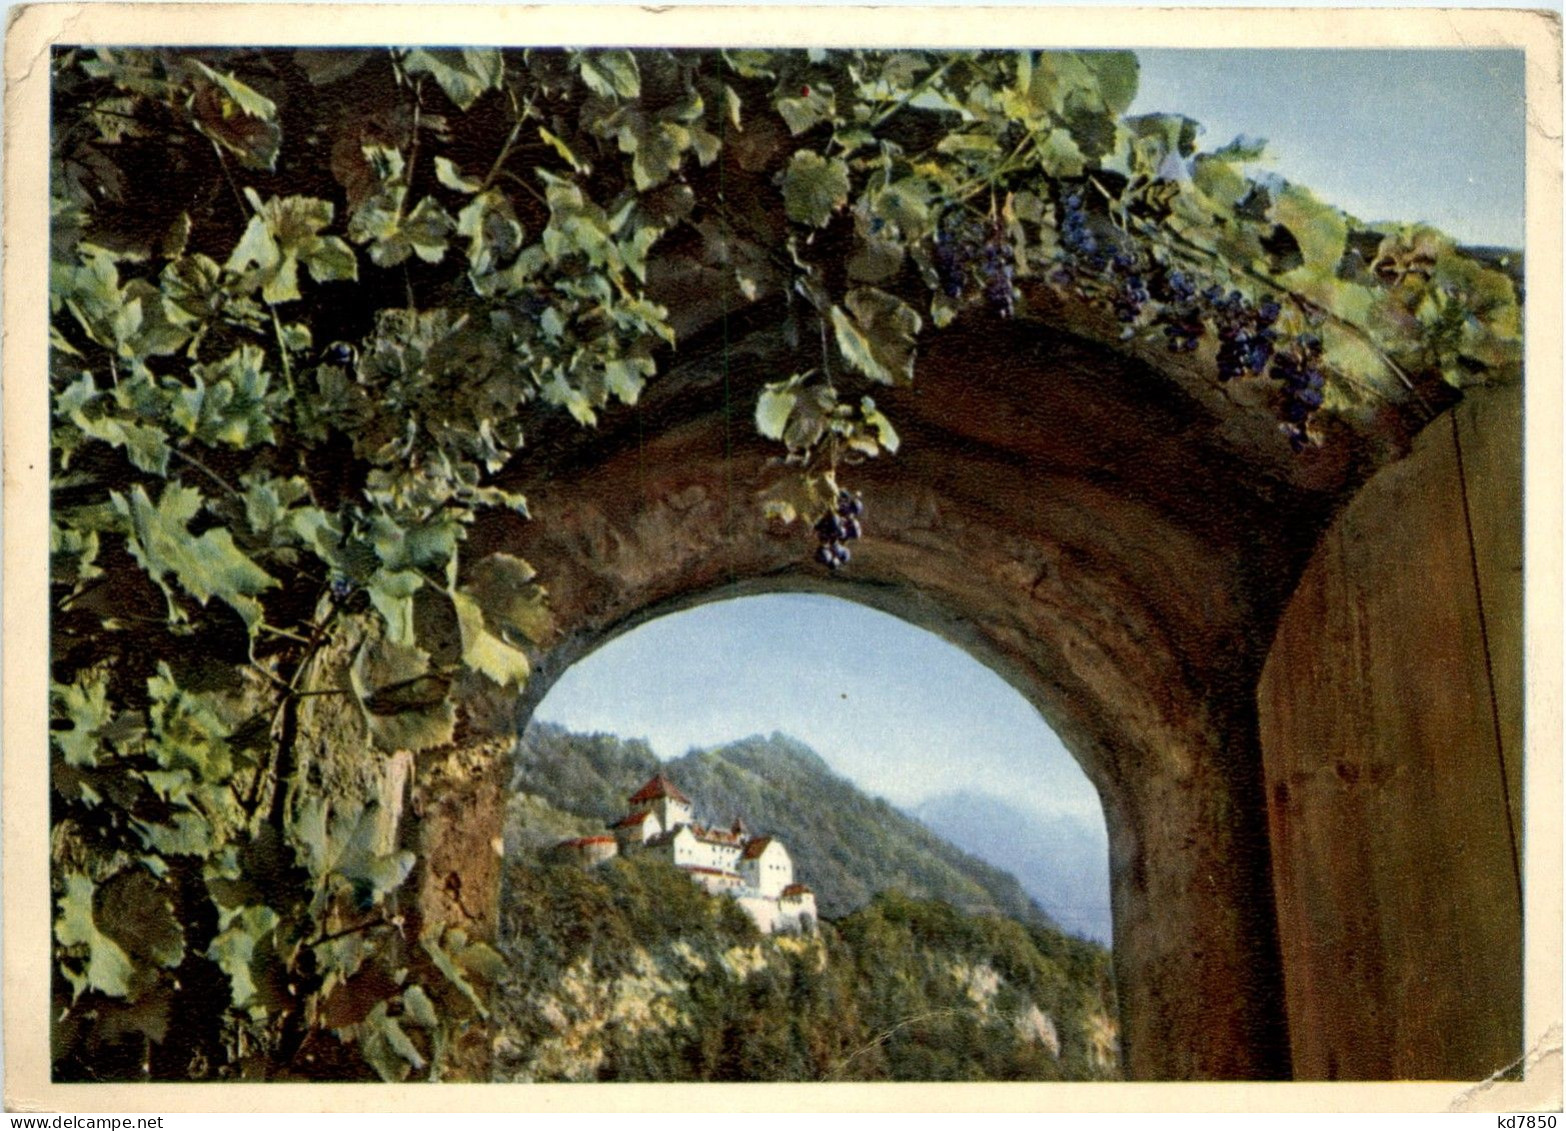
x=1105, y=264
x=1298, y=368
x=838, y=527
x=971, y=254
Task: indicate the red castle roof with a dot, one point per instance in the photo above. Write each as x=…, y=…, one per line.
x=658, y=786
x=756, y=847
x=795, y=889
x=581, y=841
x=631, y=821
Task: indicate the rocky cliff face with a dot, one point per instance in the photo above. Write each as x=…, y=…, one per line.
x=630, y=972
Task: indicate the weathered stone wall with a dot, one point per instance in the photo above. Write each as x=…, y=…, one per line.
x=1391, y=722
x=1071, y=522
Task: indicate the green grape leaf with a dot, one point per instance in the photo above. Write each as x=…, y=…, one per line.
x=391, y=592
x=227, y=401
x=331, y=260
x=447, y=173
x=406, y=706
x=236, y=117
x=364, y=852
x=386, y=1047
x=1118, y=74
x=814, y=187
x=456, y=958
x=146, y=445
x=136, y=912
x=559, y=391
x=485, y=652
x=656, y=146
x=205, y=567
x=567, y=154
x=877, y=421
x=427, y=545
x=490, y=226
x=73, y=555
x=109, y=969
x=774, y=407
x=750, y=63
x=610, y=74
x=419, y=1008
x=875, y=260
x=905, y=204
x=426, y=229
x=1220, y=181
x=284, y=232
x=186, y=834
x=252, y=103
x=256, y=248
x=393, y=237
x=296, y=337
x=513, y=603
x=465, y=75
x=187, y=730
x=235, y=950
x=626, y=376
x=806, y=111
x=879, y=339
x=1320, y=229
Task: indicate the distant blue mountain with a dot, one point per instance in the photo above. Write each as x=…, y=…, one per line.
x=1061, y=861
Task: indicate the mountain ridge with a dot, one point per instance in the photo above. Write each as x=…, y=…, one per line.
x=1061, y=861
x=847, y=845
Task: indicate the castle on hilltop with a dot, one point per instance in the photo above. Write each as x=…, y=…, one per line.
x=755, y=872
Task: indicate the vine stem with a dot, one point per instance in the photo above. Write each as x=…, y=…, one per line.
x=538, y=196
x=239, y=197
x=369, y=924
x=505, y=149
x=924, y=84
x=214, y=476
x=1007, y=165
x=282, y=349
x=1196, y=253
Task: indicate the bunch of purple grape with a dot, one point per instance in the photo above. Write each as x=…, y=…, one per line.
x=837, y=527
x=1131, y=292
x=953, y=253
x=1304, y=387
x=1245, y=334
x=996, y=266
x=963, y=248
x=1180, y=314
x=1075, y=235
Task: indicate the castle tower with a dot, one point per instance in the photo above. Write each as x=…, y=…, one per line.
x=663, y=799
x=766, y=867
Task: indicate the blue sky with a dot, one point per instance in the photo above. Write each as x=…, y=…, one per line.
x=1428, y=135
x=894, y=708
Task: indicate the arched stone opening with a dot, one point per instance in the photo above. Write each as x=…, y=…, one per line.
x=1117, y=549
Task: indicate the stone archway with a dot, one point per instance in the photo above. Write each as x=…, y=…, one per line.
x=1115, y=546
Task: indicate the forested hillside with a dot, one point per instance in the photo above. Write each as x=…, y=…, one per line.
x=846, y=845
